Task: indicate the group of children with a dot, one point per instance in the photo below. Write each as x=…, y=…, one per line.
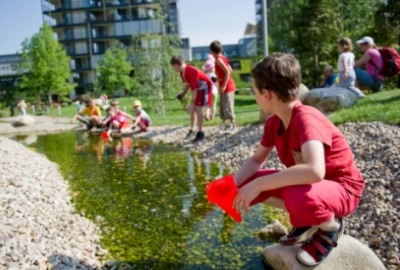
x=115, y=118
x=204, y=91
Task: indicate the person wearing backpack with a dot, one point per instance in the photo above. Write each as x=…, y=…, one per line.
x=372, y=59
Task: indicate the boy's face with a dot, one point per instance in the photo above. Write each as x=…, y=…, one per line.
x=177, y=67
x=261, y=98
x=137, y=108
x=214, y=54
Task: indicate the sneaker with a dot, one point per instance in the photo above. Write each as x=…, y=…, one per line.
x=316, y=249
x=189, y=134
x=231, y=128
x=298, y=235
x=199, y=136
x=222, y=127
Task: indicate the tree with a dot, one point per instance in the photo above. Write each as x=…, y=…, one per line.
x=154, y=76
x=310, y=29
x=46, y=64
x=114, y=71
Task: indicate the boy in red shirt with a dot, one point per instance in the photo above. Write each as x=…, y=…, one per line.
x=321, y=184
x=201, y=84
x=226, y=85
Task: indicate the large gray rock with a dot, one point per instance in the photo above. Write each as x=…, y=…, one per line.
x=329, y=99
x=350, y=254
x=303, y=90
x=25, y=120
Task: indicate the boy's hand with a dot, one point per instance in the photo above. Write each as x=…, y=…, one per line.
x=244, y=197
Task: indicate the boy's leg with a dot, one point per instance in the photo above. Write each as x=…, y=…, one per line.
x=222, y=98
x=199, y=115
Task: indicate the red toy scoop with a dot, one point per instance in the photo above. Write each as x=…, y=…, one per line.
x=104, y=135
x=222, y=192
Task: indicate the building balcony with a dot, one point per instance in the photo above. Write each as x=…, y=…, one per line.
x=98, y=5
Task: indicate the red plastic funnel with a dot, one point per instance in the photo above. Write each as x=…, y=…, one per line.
x=104, y=135
x=222, y=192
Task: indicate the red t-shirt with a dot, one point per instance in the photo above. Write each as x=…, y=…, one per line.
x=196, y=78
x=230, y=86
x=307, y=123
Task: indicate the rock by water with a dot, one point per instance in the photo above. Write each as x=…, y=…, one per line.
x=350, y=254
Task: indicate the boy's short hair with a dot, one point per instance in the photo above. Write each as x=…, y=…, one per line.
x=177, y=60
x=216, y=47
x=346, y=44
x=280, y=73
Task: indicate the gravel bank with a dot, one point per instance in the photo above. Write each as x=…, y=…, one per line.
x=376, y=148
x=39, y=229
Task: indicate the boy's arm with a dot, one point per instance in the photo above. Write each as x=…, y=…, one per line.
x=227, y=72
x=127, y=115
x=364, y=59
x=185, y=89
x=311, y=171
x=252, y=164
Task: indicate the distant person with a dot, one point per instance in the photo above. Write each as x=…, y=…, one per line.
x=347, y=76
x=209, y=69
x=201, y=86
x=226, y=85
x=142, y=121
x=373, y=63
x=329, y=77
x=90, y=115
x=320, y=184
x=22, y=107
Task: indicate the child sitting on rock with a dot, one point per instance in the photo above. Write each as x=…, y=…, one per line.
x=321, y=184
x=116, y=120
x=142, y=120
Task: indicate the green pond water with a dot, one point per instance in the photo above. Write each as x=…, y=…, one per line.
x=150, y=202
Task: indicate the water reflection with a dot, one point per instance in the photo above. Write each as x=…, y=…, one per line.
x=152, y=203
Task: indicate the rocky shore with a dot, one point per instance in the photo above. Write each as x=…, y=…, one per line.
x=39, y=228
x=376, y=147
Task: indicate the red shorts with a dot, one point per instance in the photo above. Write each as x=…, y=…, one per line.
x=312, y=204
x=125, y=124
x=203, y=98
x=145, y=123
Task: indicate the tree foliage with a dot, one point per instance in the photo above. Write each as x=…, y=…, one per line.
x=45, y=65
x=113, y=71
x=310, y=28
x=153, y=75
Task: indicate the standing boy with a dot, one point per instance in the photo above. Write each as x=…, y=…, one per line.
x=201, y=86
x=321, y=184
x=226, y=85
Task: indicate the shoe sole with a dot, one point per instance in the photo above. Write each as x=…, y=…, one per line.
x=308, y=264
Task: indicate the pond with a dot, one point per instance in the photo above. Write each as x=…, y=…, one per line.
x=150, y=202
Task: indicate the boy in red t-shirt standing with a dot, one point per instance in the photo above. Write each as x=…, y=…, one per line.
x=226, y=85
x=201, y=84
x=321, y=184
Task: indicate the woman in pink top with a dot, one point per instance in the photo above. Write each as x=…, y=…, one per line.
x=373, y=64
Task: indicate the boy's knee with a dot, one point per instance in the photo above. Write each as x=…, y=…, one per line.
x=298, y=197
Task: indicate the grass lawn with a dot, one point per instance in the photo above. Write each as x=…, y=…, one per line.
x=382, y=107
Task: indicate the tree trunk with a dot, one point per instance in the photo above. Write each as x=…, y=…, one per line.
x=50, y=99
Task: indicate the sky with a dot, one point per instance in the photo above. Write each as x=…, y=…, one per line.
x=201, y=20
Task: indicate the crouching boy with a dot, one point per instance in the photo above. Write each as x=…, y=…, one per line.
x=321, y=184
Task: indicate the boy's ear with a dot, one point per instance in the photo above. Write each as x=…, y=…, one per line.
x=266, y=94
